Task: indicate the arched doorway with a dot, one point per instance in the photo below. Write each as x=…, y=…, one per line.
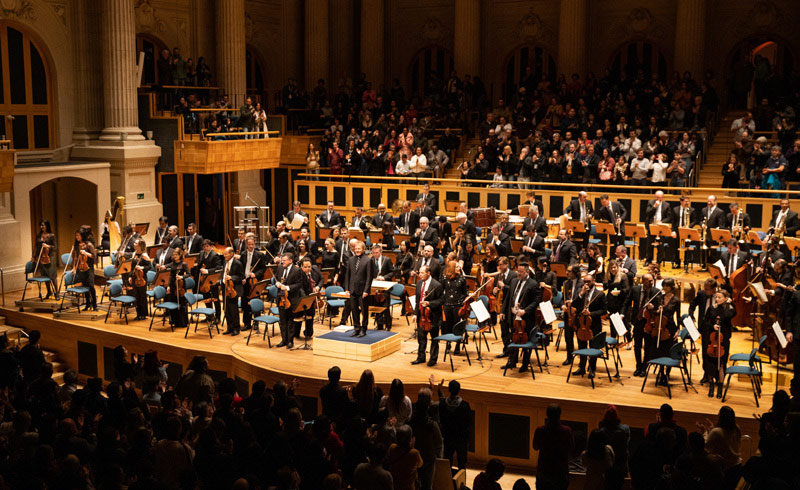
x=55, y=202
x=430, y=67
x=152, y=47
x=255, y=75
x=759, y=67
x=26, y=93
x=634, y=56
x=526, y=66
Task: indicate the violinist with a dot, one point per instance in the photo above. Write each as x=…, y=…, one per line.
x=465, y=256
x=211, y=261
x=312, y=282
x=233, y=272
x=289, y=280
x=429, y=261
x=302, y=251
x=702, y=302
x=543, y=275
x=455, y=293
x=44, y=256
x=716, y=326
x=591, y=303
x=499, y=287
x=617, y=288
x=532, y=244
x=284, y=246
x=178, y=271
x=640, y=298
x=572, y=288
x=405, y=262
x=521, y=302
x=173, y=239
x=428, y=315
x=425, y=234
x=382, y=270
x=255, y=264
x=83, y=257
x=141, y=265
x=240, y=242
x=126, y=244
x=594, y=260
x=664, y=310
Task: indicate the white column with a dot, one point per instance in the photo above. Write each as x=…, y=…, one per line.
x=572, y=37
x=467, y=38
x=690, y=37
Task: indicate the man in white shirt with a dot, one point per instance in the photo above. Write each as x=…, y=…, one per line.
x=419, y=162
x=503, y=128
x=631, y=145
x=639, y=168
x=745, y=122
x=659, y=165
x=403, y=167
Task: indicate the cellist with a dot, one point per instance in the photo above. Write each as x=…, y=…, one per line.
x=44, y=256
x=522, y=299
x=140, y=262
x=716, y=326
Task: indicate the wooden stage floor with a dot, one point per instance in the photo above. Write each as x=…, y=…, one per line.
x=483, y=382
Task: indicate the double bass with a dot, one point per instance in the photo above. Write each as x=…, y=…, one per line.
x=742, y=297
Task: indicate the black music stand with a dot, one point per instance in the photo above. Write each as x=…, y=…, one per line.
x=258, y=289
x=686, y=237
x=162, y=278
x=660, y=231
x=305, y=303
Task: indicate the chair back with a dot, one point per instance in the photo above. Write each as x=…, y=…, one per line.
x=66, y=259
x=29, y=267
x=683, y=334
x=330, y=290
x=753, y=356
x=159, y=293
x=598, y=341
x=761, y=341
x=677, y=352
x=396, y=290
x=151, y=276
x=485, y=300
x=109, y=271
x=256, y=306
x=69, y=278
x=191, y=298
x=273, y=292
x=115, y=289
x=459, y=328
x=557, y=298
x=188, y=282
x=547, y=253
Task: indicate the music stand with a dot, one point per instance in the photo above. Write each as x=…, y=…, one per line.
x=516, y=246
x=401, y=237
x=575, y=227
x=660, y=230
x=635, y=233
x=162, y=278
x=754, y=239
x=152, y=249
x=792, y=244
x=609, y=230
x=559, y=269
x=686, y=235
x=295, y=234
x=451, y=206
x=124, y=266
x=141, y=228
x=375, y=236
x=327, y=274
x=716, y=273
x=190, y=260
x=356, y=233
x=524, y=209
x=208, y=280
x=269, y=271
x=305, y=303
x=258, y=289
x=720, y=235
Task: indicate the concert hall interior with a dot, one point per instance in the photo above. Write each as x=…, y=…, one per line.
x=438, y=244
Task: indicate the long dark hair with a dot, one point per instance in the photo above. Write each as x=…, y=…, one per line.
x=396, y=394
x=595, y=446
x=46, y=224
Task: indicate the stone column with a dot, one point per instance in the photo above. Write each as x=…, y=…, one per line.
x=317, y=43
x=572, y=37
x=467, y=38
x=372, y=54
x=118, y=30
x=690, y=37
x=342, y=34
x=292, y=26
x=85, y=26
x=231, y=49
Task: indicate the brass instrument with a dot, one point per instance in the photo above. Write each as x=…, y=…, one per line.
x=703, y=236
x=347, y=224
x=741, y=234
x=286, y=222
x=371, y=227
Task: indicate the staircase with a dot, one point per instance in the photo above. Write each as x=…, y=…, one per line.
x=17, y=337
x=717, y=155
x=466, y=152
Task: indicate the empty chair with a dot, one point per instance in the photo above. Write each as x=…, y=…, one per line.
x=166, y=307
x=30, y=279
x=209, y=313
x=257, y=307
x=116, y=298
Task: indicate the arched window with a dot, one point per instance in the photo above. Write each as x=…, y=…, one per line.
x=639, y=55
x=526, y=66
x=151, y=47
x=255, y=74
x=430, y=68
x=26, y=98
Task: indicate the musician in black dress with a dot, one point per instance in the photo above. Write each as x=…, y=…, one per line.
x=255, y=264
x=717, y=319
x=210, y=261
x=330, y=256
x=617, y=288
x=84, y=275
x=140, y=262
x=466, y=256
x=666, y=307
x=405, y=262
x=178, y=270
x=382, y=270
x=591, y=302
x=233, y=271
x=289, y=280
x=45, y=251
x=359, y=279
x=455, y=293
x=430, y=297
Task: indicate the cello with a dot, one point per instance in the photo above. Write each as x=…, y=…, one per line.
x=742, y=298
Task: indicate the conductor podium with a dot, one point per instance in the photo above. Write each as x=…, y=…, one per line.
x=339, y=344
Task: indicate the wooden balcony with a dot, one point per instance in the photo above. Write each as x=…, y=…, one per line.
x=212, y=157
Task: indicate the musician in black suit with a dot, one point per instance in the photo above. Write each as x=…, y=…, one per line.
x=703, y=301
x=425, y=234
x=312, y=244
x=444, y=230
x=312, y=281
x=232, y=271
x=626, y=264
x=194, y=242
x=533, y=244
x=296, y=210
x=501, y=241
x=593, y=301
x=381, y=217
x=408, y=221
x=535, y=220
x=209, y=262
x=429, y=261
x=429, y=295
x=161, y=230
x=163, y=256
x=523, y=296
x=640, y=295
x=732, y=259
x=359, y=221
x=785, y=217
x=382, y=270
x=506, y=227
x=426, y=196
x=173, y=239
x=289, y=280
x=127, y=241
x=684, y=217
x=330, y=217
x=737, y=221
x=564, y=252
x=532, y=200
x=425, y=211
x=658, y=212
x=469, y=226
x=255, y=264
x=284, y=246
x=714, y=217
x=581, y=210
x=615, y=213
x=359, y=279
x=240, y=243
x=572, y=288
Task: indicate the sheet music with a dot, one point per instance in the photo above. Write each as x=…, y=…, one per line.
x=481, y=313
x=548, y=312
x=760, y=293
x=721, y=267
x=619, y=325
x=342, y=328
x=779, y=334
x=690, y=326
x=413, y=300
x=383, y=284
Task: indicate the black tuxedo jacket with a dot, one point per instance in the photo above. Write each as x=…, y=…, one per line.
x=239, y=246
x=294, y=280
x=725, y=257
x=427, y=212
x=508, y=229
x=386, y=268
x=412, y=224
x=650, y=213
x=634, y=301
x=378, y=221
x=160, y=235
x=290, y=217
x=539, y=226
x=236, y=272
x=175, y=243
x=568, y=253
x=692, y=222
x=715, y=220
x=435, y=266
x=569, y=285
x=162, y=251
x=330, y=220
x=619, y=212
x=574, y=209
x=359, y=278
x=596, y=306
x=194, y=244
x=281, y=249
x=430, y=236
x=430, y=199
x=529, y=297
x=258, y=263
x=744, y=223
x=504, y=245
x=434, y=295
x=699, y=303
x=360, y=222
x=792, y=222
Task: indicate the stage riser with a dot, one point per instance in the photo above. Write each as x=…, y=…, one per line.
x=504, y=423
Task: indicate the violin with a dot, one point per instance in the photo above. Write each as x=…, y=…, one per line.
x=82, y=263
x=520, y=329
x=424, y=320
x=44, y=254
x=180, y=286
x=230, y=289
